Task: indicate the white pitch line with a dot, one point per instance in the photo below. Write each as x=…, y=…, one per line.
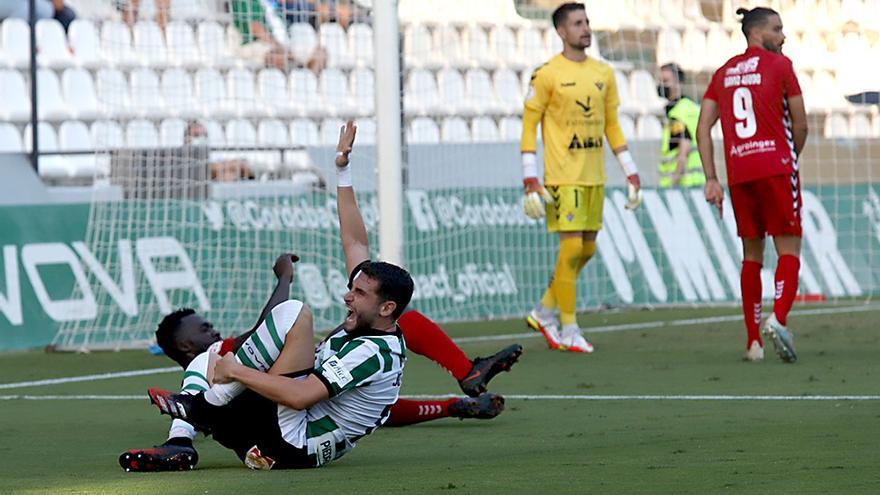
x=705, y=398
x=671, y=323
x=89, y=378
x=463, y=340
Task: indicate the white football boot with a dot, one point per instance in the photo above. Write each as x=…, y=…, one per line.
x=548, y=326
x=783, y=341
x=573, y=340
x=755, y=352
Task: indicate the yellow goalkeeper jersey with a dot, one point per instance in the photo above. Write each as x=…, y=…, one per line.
x=576, y=104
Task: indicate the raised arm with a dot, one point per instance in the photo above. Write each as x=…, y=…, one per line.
x=352, y=231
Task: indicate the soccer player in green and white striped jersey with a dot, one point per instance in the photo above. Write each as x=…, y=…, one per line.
x=311, y=406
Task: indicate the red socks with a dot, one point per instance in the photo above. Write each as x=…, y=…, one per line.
x=407, y=412
x=786, y=286
x=750, y=284
x=424, y=337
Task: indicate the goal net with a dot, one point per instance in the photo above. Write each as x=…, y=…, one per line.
x=219, y=153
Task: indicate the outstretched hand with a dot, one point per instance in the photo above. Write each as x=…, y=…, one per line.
x=346, y=139
x=284, y=265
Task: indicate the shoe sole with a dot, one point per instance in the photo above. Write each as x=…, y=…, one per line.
x=784, y=350
x=147, y=462
x=534, y=325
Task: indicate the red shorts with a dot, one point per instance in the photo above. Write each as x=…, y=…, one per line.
x=768, y=206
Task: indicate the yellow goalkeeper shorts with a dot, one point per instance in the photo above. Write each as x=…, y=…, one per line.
x=575, y=208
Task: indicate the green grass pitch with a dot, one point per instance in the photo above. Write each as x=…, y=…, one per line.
x=538, y=445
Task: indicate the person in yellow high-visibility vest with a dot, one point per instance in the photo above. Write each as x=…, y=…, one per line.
x=680, y=164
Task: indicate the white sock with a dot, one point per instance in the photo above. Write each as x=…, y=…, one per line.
x=544, y=312
x=221, y=394
x=571, y=328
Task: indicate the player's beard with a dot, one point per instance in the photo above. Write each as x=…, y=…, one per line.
x=361, y=323
x=772, y=47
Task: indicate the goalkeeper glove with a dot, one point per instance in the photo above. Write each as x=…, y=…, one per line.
x=535, y=198
x=634, y=192
x=177, y=454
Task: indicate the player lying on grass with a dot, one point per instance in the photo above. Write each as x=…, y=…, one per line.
x=185, y=335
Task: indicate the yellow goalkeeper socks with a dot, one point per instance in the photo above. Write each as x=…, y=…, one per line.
x=588, y=251
x=565, y=277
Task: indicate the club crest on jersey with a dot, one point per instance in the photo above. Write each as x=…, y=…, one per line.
x=599, y=85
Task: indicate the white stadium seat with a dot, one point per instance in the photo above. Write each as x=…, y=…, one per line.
x=181, y=42
x=484, y=130
x=177, y=90
x=419, y=49
x=826, y=88
x=211, y=91
x=52, y=45
x=171, y=132
x=455, y=130
x=116, y=44
x=649, y=128
x=141, y=134
x=366, y=131
x=15, y=105
x=149, y=44
x=335, y=41
x=718, y=46
x=531, y=46
x=644, y=92
x=304, y=93
x=627, y=126
x=83, y=39
x=79, y=93
x=241, y=133
x=421, y=95
x=627, y=103
x=363, y=91
x=272, y=91
x=480, y=93
x=216, y=135
x=191, y=10
x=73, y=135
x=213, y=45
x=304, y=132
x=508, y=91
x=273, y=132
x=303, y=40
x=475, y=42
x=51, y=166
x=452, y=93
x=242, y=93
x=454, y=54
x=329, y=133
x=360, y=44
x=669, y=47
x=107, y=135
x=146, y=96
x=333, y=87
x=502, y=43
x=860, y=126
x=694, y=56
x=510, y=129
x=15, y=35
x=423, y=130
x=10, y=140
x=836, y=126
x=51, y=102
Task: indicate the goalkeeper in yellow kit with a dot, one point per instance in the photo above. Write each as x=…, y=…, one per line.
x=575, y=99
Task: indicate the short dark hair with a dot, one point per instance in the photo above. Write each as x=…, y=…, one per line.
x=168, y=329
x=395, y=283
x=561, y=12
x=754, y=18
x=675, y=69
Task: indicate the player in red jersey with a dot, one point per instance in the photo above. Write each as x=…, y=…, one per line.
x=758, y=99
